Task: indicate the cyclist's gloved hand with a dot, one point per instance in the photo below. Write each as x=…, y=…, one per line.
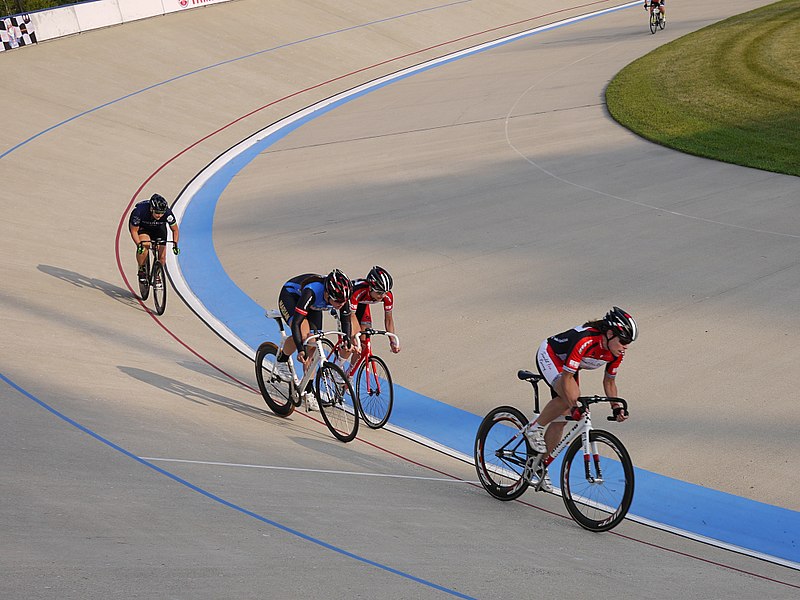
x=175, y=249
x=618, y=410
x=140, y=248
x=577, y=413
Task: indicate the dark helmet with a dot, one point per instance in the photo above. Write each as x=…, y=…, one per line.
x=621, y=324
x=338, y=286
x=158, y=204
x=379, y=279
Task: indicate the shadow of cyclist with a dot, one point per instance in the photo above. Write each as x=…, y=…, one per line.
x=78, y=280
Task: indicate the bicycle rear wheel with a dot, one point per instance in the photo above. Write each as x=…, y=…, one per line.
x=159, y=287
x=598, y=489
x=337, y=402
x=501, y=453
x=375, y=392
x=661, y=21
x=276, y=393
x=653, y=22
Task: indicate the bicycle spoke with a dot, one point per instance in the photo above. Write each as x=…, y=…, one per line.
x=337, y=402
x=375, y=392
x=500, y=459
x=598, y=489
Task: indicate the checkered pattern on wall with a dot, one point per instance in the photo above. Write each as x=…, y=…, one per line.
x=16, y=32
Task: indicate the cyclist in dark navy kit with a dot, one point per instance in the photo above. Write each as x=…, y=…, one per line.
x=302, y=301
x=148, y=221
x=595, y=344
x=374, y=288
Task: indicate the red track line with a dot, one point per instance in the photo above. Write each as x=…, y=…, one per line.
x=252, y=389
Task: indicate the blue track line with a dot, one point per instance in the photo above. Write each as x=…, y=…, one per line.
x=226, y=62
x=226, y=503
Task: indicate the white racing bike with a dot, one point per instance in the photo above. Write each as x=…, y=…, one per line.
x=331, y=387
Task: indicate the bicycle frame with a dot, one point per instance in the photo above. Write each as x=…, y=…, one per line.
x=297, y=386
x=582, y=427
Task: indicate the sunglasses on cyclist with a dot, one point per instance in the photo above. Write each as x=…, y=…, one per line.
x=624, y=340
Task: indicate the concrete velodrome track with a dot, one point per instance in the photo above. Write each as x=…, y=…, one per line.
x=138, y=463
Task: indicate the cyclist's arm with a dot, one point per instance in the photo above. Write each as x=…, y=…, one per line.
x=134, y=230
x=175, y=232
x=346, y=317
x=388, y=324
x=610, y=388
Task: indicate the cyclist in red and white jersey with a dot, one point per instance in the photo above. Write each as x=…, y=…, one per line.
x=374, y=288
x=660, y=5
x=595, y=344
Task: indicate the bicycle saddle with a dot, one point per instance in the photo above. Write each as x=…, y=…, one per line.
x=529, y=376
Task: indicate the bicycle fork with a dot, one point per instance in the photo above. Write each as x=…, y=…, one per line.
x=591, y=455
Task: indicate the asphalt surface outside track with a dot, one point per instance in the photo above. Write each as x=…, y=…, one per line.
x=137, y=462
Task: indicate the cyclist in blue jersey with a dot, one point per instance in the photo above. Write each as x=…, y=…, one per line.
x=302, y=301
x=148, y=221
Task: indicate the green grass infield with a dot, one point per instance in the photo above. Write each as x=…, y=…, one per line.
x=730, y=91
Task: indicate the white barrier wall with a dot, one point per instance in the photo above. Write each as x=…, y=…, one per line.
x=131, y=10
x=93, y=14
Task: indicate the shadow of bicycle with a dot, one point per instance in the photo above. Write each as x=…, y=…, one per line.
x=195, y=394
x=78, y=280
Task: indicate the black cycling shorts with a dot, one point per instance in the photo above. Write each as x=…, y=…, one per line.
x=287, y=302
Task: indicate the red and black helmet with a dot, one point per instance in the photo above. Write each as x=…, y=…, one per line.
x=338, y=286
x=379, y=279
x=622, y=325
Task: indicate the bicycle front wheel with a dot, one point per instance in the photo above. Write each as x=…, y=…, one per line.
x=337, y=402
x=653, y=22
x=159, y=287
x=276, y=393
x=375, y=392
x=501, y=453
x=597, y=489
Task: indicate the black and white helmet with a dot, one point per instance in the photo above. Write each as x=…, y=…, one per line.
x=622, y=325
x=379, y=279
x=158, y=204
x=338, y=286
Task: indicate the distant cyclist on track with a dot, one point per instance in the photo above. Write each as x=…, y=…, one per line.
x=374, y=288
x=148, y=221
x=659, y=4
x=302, y=301
x=560, y=357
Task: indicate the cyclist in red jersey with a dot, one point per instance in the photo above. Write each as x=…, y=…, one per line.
x=560, y=358
x=374, y=288
x=659, y=4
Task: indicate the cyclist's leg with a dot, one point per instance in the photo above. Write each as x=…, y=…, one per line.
x=162, y=250
x=286, y=303
x=364, y=317
x=550, y=369
x=313, y=321
x=144, y=238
